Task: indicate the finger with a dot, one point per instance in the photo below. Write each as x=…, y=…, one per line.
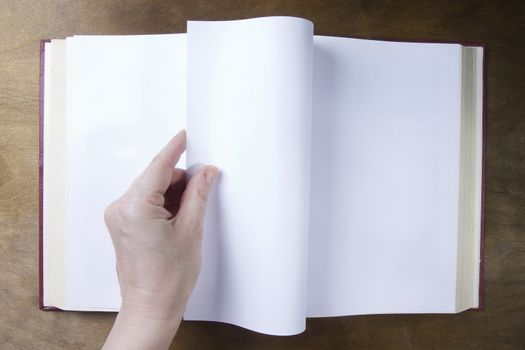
x=157, y=177
x=195, y=197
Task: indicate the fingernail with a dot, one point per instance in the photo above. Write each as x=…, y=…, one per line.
x=182, y=131
x=211, y=174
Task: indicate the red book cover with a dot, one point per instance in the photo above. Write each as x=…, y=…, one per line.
x=41, y=180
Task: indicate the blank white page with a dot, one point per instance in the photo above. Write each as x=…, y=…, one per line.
x=127, y=98
x=385, y=177
x=249, y=110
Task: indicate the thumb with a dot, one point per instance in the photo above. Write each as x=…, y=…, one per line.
x=195, y=197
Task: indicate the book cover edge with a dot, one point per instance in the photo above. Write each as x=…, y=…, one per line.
x=41, y=178
x=481, y=286
x=481, y=304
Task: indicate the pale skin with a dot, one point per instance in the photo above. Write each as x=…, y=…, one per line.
x=156, y=229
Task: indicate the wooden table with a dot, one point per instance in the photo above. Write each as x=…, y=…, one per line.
x=499, y=24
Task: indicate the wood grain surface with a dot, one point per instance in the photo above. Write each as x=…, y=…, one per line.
x=498, y=24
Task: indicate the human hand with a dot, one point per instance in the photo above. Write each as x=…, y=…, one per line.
x=156, y=229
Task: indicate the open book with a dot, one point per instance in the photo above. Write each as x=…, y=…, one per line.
x=351, y=170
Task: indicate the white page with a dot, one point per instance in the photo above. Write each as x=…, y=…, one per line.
x=385, y=176
x=127, y=100
x=249, y=108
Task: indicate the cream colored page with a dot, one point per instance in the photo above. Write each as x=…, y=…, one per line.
x=127, y=99
x=53, y=177
x=249, y=107
x=385, y=176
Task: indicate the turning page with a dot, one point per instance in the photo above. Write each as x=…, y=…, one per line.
x=249, y=108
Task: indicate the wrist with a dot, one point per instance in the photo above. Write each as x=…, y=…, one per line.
x=138, y=317
x=142, y=325
x=152, y=305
